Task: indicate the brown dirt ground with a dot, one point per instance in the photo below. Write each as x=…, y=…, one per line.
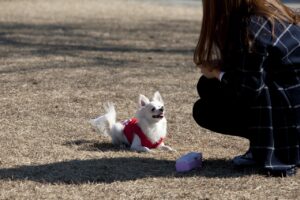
x=61, y=60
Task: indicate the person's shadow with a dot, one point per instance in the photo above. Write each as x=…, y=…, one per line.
x=107, y=170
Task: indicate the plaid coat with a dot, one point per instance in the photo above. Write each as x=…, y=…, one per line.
x=267, y=81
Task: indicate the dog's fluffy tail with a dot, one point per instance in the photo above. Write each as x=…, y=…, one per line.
x=104, y=123
x=110, y=114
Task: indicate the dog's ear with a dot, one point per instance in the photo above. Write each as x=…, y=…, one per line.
x=143, y=100
x=157, y=97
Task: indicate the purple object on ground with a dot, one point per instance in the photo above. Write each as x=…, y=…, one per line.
x=189, y=161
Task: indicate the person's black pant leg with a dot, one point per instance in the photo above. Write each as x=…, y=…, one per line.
x=216, y=111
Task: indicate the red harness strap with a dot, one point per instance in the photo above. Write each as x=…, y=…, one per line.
x=131, y=127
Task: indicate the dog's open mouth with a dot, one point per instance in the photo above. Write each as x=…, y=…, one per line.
x=160, y=116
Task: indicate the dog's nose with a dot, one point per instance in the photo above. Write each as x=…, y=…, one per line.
x=161, y=109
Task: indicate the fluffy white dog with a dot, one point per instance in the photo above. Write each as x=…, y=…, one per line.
x=146, y=131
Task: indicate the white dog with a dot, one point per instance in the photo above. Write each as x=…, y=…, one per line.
x=144, y=132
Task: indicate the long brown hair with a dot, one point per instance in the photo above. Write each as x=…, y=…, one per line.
x=218, y=16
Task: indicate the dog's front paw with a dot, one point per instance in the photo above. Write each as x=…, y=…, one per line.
x=167, y=148
x=141, y=149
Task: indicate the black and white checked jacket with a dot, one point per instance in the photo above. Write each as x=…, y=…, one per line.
x=267, y=81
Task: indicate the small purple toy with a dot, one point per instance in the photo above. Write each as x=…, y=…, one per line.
x=189, y=161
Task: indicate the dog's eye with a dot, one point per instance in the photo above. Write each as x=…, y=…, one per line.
x=153, y=109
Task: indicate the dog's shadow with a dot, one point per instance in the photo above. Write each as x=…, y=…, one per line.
x=95, y=145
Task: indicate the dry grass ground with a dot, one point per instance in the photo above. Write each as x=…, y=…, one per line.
x=61, y=60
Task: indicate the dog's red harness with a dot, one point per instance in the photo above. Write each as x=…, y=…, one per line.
x=131, y=127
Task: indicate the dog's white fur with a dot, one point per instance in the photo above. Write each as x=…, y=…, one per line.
x=151, y=120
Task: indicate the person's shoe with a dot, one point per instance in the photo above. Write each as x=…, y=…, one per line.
x=283, y=173
x=244, y=160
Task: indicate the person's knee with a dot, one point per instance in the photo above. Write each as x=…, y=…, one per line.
x=201, y=85
x=199, y=113
x=219, y=119
x=208, y=88
x=205, y=116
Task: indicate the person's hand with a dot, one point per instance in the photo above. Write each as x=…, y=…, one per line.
x=210, y=72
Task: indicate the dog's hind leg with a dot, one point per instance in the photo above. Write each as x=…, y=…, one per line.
x=117, y=136
x=136, y=145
